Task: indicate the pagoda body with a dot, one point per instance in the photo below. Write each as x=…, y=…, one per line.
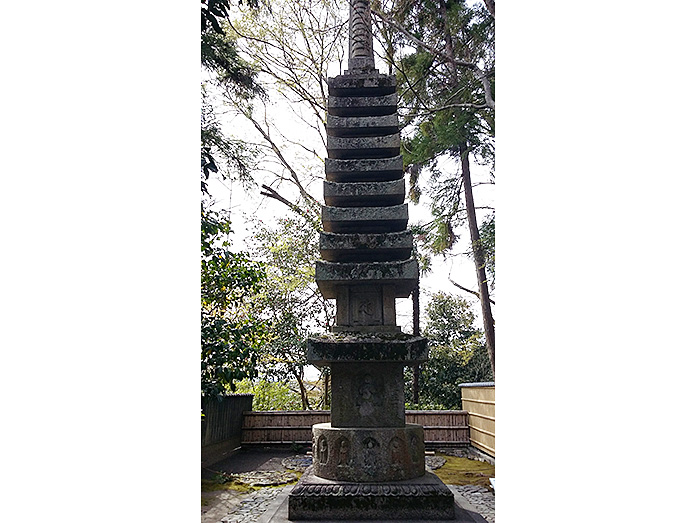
x=367, y=462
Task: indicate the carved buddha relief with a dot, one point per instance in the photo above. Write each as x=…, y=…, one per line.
x=343, y=452
x=322, y=450
x=396, y=450
x=367, y=396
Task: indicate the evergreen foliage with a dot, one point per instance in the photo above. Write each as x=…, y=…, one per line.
x=289, y=301
x=457, y=354
x=270, y=395
x=230, y=338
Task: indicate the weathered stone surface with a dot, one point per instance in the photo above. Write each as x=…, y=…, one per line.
x=368, y=194
x=362, y=105
x=363, y=146
x=370, y=462
x=365, y=219
x=367, y=306
x=377, y=169
x=364, y=347
x=424, y=498
x=360, y=36
x=404, y=275
x=368, y=455
x=367, y=396
x=370, y=84
x=362, y=125
x=372, y=329
x=388, y=246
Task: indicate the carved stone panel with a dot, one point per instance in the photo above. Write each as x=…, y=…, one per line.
x=367, y=396
x=365, y=306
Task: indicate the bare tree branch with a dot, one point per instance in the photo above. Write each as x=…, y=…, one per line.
x=468, y=290
x=279, y=154
x=272, y=193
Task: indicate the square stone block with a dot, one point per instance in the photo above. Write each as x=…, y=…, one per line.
x=367, y=395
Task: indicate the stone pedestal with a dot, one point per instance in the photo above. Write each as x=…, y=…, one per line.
x=422, y=498
x=368, y=455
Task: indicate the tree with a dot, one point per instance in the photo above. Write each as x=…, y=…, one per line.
x=289, y=301
x=446, y=76
x=237, y=79
x=457, y=353
x=292, y=46
x=270, y=395
x=230, y=339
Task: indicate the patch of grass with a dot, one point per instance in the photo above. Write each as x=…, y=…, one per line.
x=463, y=471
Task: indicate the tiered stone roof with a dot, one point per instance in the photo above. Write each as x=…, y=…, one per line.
x=365, y=239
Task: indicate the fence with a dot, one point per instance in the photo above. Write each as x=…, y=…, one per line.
x=479, y=402
x=221, y=425
x=442, y=428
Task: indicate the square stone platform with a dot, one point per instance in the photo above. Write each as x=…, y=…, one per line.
x=422, y=498
x=277, y=511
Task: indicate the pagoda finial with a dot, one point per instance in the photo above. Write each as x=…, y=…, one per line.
x=360, y=36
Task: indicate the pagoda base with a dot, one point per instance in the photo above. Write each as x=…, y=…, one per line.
x=424, y=498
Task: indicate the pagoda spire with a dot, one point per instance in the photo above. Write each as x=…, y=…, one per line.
x=360, y=36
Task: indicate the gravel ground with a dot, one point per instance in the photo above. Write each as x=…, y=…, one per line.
x=236, y=507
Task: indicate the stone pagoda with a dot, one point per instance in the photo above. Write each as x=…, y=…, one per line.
x=367, y=462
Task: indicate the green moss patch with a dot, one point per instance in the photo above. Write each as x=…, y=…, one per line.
x=208, y=485
x=246, y=483
x=463, y=471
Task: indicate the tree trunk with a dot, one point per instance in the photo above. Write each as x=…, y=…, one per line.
x=478, y=254
x=477, y=250
x=303, y=392
x=327, y=377
x=416, y=308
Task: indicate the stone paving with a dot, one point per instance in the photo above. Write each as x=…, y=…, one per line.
x=481, y=498
x=251, y=508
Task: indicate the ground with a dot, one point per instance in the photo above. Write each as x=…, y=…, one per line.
x=243, y=482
